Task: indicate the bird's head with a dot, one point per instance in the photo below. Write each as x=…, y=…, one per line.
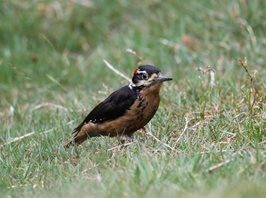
x=147, y=75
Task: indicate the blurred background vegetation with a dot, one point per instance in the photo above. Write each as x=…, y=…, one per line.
x=52, y=72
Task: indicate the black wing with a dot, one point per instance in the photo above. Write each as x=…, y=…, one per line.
x=112, y=107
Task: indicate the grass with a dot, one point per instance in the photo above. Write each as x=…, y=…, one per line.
x=52, y=74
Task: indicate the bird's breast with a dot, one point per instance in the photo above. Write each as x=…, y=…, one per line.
x=148, y=103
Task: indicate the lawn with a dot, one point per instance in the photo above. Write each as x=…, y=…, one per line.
x=209, y=134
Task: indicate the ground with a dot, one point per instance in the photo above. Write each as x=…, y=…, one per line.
x=208, y=136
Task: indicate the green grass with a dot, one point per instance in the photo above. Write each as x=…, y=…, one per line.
x=52, y=51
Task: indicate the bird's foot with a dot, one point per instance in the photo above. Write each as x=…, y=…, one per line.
x=125, y=140
x=144, y=129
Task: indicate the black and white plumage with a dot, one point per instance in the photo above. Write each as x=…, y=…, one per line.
x=112, y=107
x=125, y=110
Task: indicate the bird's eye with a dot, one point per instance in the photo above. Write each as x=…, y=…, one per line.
x=144, y=76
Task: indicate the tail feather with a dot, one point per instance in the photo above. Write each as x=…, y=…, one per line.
x=81, y=133
x=76, y=141
x=77, y=129
x=76, y=138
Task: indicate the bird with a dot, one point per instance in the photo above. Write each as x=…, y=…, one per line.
x=126, y=110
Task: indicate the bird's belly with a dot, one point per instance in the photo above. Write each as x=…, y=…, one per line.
x=140, y=113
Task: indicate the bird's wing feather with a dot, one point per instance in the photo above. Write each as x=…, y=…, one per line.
x=111, y=108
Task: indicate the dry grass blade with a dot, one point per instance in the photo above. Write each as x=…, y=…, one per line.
x=135, y=54
x=166, y=145
x=115, y=70
x=119, y=146
x=49, y=105
x=85, y=3
x=182, y=133
x=23, y=137
x=56, y=82
x=217, y=166
x=263, y=142
x=30, y=134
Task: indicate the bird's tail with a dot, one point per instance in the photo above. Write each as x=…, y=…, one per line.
x=77, y=129
x=82, y=133
x=77, y=138
x=76, y=141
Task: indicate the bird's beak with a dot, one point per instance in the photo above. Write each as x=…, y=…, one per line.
x=161, y=78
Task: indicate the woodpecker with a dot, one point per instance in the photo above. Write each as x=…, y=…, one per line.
x=126, y=110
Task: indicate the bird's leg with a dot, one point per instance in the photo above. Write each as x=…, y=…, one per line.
x=144, y=130
x=125, y=139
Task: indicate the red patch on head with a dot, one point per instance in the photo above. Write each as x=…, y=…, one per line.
x=136, y=71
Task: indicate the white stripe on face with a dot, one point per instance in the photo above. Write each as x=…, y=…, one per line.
x=142, y=72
